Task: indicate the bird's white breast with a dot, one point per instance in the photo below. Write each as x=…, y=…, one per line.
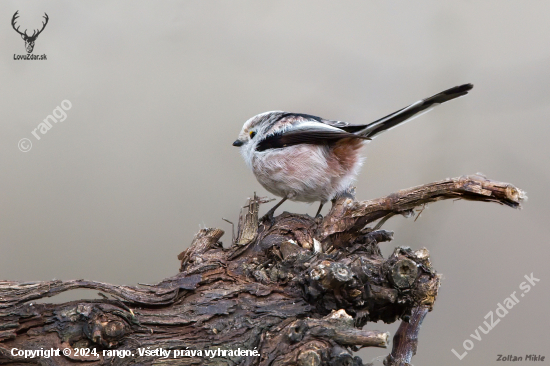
x=303, y=172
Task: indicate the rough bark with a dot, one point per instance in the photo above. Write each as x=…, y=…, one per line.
x=297, y=291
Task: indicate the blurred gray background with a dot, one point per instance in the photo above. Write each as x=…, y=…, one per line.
x=160, y=90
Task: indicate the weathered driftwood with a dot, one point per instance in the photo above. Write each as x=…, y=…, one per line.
x=297, y=292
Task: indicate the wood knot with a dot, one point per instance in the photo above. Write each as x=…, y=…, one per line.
x=297, y=331
x=340, y=273
x=114, y=329
x=309, y=358
x=404, y=273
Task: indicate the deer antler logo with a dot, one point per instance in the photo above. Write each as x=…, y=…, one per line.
x=29, y=40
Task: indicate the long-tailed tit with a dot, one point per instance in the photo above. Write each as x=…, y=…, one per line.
x=306, y=158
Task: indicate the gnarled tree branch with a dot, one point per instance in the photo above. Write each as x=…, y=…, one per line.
x=297, y=292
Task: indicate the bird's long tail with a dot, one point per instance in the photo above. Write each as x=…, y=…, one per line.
x=408, y=113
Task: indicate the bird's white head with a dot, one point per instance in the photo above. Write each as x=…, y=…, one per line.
x=255, y=130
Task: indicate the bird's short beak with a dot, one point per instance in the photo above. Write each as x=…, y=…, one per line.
x=238, y=143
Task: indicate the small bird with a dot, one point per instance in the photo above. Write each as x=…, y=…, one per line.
x=306, y=158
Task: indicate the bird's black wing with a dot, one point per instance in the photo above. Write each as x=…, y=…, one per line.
x=345, y=126
x=311, y=135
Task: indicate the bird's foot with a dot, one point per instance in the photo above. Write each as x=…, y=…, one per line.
x=318, y=219
x=318, y=214
x=269, y=217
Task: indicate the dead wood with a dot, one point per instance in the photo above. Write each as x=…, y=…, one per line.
x=298, y=292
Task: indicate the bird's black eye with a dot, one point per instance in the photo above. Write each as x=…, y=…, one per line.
x=252, y=134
